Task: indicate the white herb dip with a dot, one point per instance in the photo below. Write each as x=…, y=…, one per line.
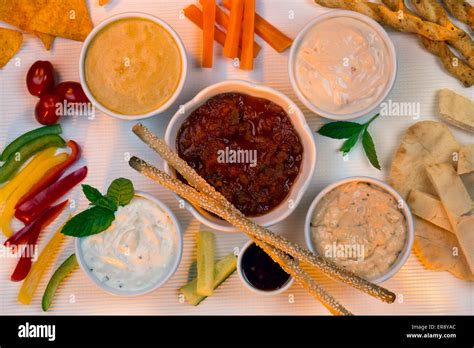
x=136, y=251
x=342, y=65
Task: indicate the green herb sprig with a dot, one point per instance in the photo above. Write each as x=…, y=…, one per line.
x=101, y=214
x=352, y=132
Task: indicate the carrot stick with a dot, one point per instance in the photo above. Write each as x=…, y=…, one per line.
x=223, y=20
x=231, y=46
x=208, y=27
x=274, y=37
x=194, y=14
x=248, y=23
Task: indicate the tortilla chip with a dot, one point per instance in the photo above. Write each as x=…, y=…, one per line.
x=19, y=13
x=10, y=43
x=46, y=40
x=423, y=144
x=69, y=19
x=435, y=249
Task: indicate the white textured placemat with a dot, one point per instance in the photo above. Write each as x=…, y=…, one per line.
x=107, y=141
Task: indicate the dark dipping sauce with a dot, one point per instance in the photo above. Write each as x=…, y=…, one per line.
x=261, y=271
x=232, y=122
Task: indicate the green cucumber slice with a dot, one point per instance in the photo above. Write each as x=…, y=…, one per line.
x=222, y=270
x=205, y=263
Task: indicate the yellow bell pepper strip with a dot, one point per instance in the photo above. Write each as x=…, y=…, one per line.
x=36, y=175
x=24, y=174
x=47, y=256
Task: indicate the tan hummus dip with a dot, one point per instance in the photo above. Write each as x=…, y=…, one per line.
x=359, y=227
x=133, y=66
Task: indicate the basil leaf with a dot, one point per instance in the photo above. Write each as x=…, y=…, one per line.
x=340, y=129
x=91, y=193
x=121, y=190
x=89, y=222
x=349, y=143
x=107, y=203
x=369, y=148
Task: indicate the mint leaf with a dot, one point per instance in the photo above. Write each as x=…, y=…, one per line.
x=340, y=129
x=107, y=203
x=121, y=191
x=89, y=222
x=91, y=193
x=349, y=143
x=369, y=148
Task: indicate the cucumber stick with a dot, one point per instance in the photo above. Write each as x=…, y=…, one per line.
x=222, y=270
x=58, y=276
x=205, y=263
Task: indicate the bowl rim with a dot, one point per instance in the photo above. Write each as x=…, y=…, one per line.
x=295, y=47
x=127, y=15
x=162, y=281
x=404, y=253
x=296, y=192
x=248, y=285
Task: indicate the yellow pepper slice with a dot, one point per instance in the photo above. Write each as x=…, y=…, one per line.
x=22, y=176
x=34, y=177
x=47, y=256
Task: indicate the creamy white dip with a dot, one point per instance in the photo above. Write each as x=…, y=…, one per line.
x=342, y=65
x=136, y=251
x=359, y=227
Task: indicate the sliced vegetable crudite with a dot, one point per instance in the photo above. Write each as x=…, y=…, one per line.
x=46, y=257
x=222, y=270
x=18, y=143
x=24, y=264
x=32, y=208
x=54, y=173
x=205, y=263
x=35, y=176
x=14, y=163
x=58, y=276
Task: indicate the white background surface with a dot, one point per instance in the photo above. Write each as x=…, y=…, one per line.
x=106, y=141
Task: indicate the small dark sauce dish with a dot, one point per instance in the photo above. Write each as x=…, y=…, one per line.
x=261, y=272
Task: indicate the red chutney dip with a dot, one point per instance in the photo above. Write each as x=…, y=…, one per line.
x=246, y=147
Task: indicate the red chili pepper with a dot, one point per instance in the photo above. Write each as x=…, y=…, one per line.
x=53, y=174
x=31, y=209
x=24, y=264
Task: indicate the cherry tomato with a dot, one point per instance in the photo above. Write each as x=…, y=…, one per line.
x=40, y=78
x=71, y=91
x=46, y=111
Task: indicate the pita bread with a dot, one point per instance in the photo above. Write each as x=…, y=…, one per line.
x=429, y=208
x=466, y=159
x=423, y=144
x=456, y=109
x=10, y=43
x=435, y=249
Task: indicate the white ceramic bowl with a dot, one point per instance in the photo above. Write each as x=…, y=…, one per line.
x=299, y=123
x=369, y=110
x=102, y=25
x=249, y=286
x=152, y=287
x=403, y=256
